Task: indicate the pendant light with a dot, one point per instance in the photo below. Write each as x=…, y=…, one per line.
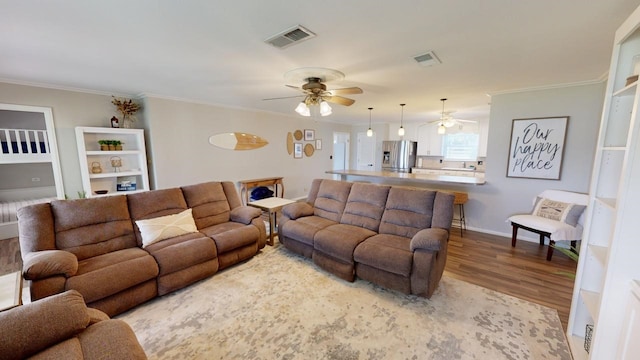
x=325, y=109
x=369, y=131
x=401, y=130
x=442, y=129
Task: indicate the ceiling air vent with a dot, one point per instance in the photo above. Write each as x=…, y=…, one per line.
x=427, y=59
x=290, y=36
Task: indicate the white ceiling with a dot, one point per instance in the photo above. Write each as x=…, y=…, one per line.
x=213, y=51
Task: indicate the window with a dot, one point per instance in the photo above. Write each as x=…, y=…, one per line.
x=460, y=146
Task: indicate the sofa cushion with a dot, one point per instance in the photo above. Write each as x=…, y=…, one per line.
x=108, y=274
x=209, y=203
x=181, y=252
x=365, y=205
x=91, y=227
x=305, y=228
x=29, y=329
x=339, y=240
x=155, y=203
x=165, y=227
x=386, y=252
x=230, y=236
x=331, y=199
x=122, y=342
x=407, y=211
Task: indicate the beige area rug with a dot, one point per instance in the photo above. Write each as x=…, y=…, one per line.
x=281, y=306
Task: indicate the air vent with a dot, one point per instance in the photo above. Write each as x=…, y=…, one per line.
x=427, y=59
x=290, y=36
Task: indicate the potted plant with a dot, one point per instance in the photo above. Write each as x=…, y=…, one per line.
x=117, y=144
x=104, y=145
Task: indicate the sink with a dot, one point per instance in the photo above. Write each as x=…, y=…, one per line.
x=457, y=169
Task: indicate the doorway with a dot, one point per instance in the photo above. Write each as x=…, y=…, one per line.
x=341, y=142
x=366, y=152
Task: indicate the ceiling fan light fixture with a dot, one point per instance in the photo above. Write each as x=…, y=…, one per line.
x=370, y=131
x=444, y=121
x=401, y=130
x=325, y=109
x=442, y=129
x=303, y=109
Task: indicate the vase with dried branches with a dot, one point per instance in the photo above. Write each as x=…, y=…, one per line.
x=127, y=108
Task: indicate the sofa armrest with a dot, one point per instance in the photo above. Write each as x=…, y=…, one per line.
x=31, y=328
x=429, y=239
x=244, y=214
x=43, y=264
x=297, y=210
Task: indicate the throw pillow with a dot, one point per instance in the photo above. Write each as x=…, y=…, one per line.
x=165, y=227
x=557, y=210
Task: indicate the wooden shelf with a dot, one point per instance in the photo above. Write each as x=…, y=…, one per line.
x=115, y=174
x=628, y=90
x=592, y=301
x=113, y=153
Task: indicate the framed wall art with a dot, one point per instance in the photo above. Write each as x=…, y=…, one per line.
x=318, y=144
x=309, y=135
x=537, y=148
x=297, y=151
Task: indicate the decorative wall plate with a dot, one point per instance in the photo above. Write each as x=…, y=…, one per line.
x=308, y=150
x=297, y=135
x=237, y=141
x=289, y=143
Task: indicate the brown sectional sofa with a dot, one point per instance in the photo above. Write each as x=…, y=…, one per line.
x=62, y=327
x=94, y=245
x=392, y=236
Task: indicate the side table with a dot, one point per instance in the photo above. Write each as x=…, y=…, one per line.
x=10, y=290
x=271, y=205
x=247, y=185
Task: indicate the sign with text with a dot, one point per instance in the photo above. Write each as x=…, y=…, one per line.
x=537, y=146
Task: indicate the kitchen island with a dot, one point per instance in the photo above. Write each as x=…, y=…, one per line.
x=410, y=177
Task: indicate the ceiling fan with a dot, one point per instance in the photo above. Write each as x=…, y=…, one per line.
x=315, y=91
x=447, y=120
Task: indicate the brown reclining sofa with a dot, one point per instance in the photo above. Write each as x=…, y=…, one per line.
x=95, y=246
x=392, y=236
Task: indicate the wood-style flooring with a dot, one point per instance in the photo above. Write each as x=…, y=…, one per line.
x=490, y=261
x=485, y=260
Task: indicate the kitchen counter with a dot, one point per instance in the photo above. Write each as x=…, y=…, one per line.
x=423, y=178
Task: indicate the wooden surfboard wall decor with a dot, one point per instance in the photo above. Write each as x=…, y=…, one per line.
x=237, y=141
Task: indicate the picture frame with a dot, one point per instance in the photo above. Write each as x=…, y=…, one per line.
x=536, y=148
x=309, y=135
x=318, y=144
x=297, y=150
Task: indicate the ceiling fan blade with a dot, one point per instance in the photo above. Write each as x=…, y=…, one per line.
x=467, y=121
x=294, y=87
x=345, y=91
x=284, y=97
x=339, y=100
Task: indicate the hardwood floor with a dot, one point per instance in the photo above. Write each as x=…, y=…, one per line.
x=485, y=260
x=490, y=261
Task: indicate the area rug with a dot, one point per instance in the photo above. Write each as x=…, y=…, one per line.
x=281, y=306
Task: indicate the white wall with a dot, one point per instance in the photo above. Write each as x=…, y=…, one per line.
x=178, y=138
x=491, y=204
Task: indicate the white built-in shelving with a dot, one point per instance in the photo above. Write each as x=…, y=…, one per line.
x=610, y=248
x=133, y=158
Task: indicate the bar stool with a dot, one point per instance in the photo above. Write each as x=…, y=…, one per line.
x=460, y=199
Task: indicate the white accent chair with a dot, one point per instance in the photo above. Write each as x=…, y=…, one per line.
x=554, y=230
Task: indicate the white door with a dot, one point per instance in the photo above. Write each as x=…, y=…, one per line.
x=366, y=152
x=340, y=152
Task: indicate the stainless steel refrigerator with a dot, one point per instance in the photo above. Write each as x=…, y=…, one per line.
x=398, y=156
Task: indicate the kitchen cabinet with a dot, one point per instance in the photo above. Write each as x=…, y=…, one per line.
x=429, y=141
x=609, y=251
x=96, y=166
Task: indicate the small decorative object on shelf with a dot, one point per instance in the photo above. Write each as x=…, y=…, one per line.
x=126, y=185
x=127, y=108
x=114, y=122
x=116, y=163
x=104, y=145
x=96, y=168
